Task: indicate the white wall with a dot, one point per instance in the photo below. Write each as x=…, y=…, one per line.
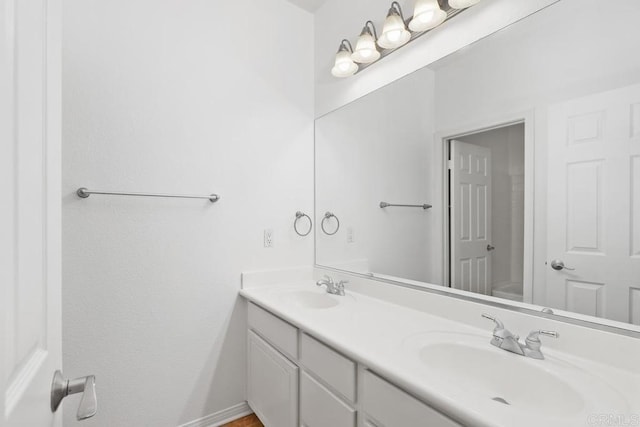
x=177, y=96
x=378, y=149
x=339, y=19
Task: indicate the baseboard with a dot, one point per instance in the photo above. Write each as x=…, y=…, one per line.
x=221, y=417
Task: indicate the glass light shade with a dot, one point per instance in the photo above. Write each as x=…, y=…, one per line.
x=462, y=4
x=344, y=66
x=366, y=51
x=394, y=33
x=427, y=15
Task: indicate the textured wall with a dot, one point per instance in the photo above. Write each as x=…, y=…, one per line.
x=184, y=96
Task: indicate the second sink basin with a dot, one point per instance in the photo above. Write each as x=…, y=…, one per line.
x=468, y=368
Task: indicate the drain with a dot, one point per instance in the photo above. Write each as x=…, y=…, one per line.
x=501, y=400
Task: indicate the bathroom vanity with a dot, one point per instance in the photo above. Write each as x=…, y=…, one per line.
x=291, y=375
x=316, y=359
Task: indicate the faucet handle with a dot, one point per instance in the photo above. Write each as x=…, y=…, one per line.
x=328, y=278
x=341, y=283
x=534, y=336
x=499, y=324
x=534, y=344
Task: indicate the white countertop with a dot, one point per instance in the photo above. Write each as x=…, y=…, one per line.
x=378, y=334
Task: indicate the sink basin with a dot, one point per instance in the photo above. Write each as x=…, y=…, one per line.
x=316, y=300
x=503, y=378
x=466, y=367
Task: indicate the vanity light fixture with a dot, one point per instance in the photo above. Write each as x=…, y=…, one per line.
x=426, y=15
x=394, y=32
x=344, y=65
x=366, y=50
x=462, y=4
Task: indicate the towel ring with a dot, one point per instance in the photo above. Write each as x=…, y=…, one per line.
x=300, y=215
x=327, y=216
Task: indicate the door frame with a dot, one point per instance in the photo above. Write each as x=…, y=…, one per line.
x=441, y=160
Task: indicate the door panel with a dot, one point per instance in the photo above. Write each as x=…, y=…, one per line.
x=585, y=297
x=634, y=302
x=584, y=207
x=635, y=205
x=30, y=213
x=470, y=193
x=594, y=204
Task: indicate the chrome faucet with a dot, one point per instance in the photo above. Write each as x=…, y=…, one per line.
x=505, y=340
x=332, y=287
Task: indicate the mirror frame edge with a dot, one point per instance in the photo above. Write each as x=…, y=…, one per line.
x=615, y=326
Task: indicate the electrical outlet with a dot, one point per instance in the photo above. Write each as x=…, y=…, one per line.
x=268, y=238
x=350, y=235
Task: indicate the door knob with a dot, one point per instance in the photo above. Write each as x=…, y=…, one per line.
x=490, y=248
x=61, y=388
x=557, y=264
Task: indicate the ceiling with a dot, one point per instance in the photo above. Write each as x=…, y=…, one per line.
x=308, y=5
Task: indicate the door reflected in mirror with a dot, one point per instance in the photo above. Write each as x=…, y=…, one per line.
x=527, y=146
x=486, y=187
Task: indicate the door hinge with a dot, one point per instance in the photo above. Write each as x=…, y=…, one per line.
x=449, y=164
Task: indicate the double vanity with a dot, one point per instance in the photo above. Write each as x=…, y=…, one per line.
x=385, y=356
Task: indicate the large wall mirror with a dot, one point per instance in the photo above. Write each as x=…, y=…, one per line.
x=508, y=170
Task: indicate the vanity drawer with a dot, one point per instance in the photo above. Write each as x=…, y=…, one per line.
x=275, y=330
x=330, y=366
x=388, y=406
x=321, y=408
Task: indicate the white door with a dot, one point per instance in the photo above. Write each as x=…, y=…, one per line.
x=594, y=205
x=470, y=224
x=30, y=337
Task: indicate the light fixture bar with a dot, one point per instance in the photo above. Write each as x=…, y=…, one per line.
x=444, y=5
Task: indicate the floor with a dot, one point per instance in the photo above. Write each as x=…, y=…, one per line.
x=248, y=421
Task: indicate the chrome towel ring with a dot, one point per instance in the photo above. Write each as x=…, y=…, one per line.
x=300, y=215
x=327, y=216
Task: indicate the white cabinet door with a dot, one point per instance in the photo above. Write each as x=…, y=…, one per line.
x=594, y=205
x=330, y=366
x=470, y=198
x=272, y=390
x=30, y=308
x=319, y=407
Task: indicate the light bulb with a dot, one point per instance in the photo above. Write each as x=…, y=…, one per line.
x=427, y=15
x=366, y=51
x=394, y=35
x=344, y=65
x=462, y=4
x=394, y=32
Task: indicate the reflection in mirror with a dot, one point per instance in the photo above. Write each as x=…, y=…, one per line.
x=526, y=144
